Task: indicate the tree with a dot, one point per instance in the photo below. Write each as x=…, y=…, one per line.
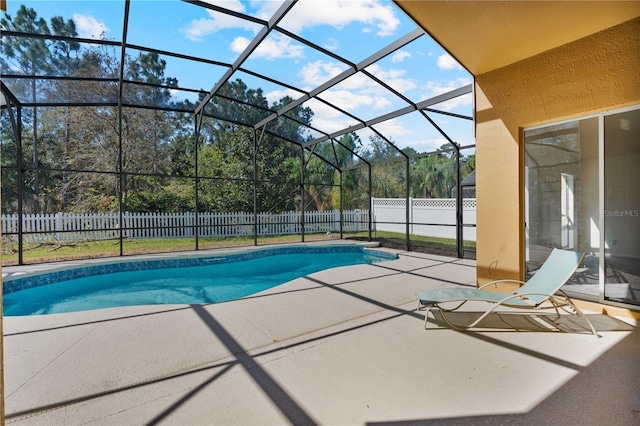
x=319, y=176
x=65, y=60
x=236, y=105
x=353, y=184
x=388, y=176
x=81, y=138
x=434, y=176
x=288, y=126
x=226, y=154
x=8, y=160
x=149, y=68
x=84, y=149
x=29, y=56
x=468, y=165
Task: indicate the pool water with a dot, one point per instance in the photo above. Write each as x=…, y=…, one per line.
x=219, y=281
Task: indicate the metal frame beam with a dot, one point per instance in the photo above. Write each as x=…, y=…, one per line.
x=407, y=189
x=16, y=126
x=421, y=105
x=121, y=176
x=346, y=74
x=280, y=13
x=9, y=96
x=39, y=36
x=229, y=12
x=197, y=118
x=459, y=210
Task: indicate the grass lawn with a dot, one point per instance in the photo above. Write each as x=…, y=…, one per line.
x=53, y=252
x=396, y=239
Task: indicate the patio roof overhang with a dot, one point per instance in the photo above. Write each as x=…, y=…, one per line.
x=487, y=35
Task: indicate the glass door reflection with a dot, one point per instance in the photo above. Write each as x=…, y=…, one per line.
x=622, y=207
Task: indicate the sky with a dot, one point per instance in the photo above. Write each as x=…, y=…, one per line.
x=352, y=29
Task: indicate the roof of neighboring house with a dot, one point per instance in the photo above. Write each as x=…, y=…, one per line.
x=470, y=180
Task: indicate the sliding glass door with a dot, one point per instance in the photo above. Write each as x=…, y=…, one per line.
x=622, y=207
x=561, y=168
x=582, y=192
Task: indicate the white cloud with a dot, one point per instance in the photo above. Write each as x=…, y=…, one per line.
x=89, y=27
x=393, y=128
x=381, y=102
x=266, y=9
x=435, y=88
x=322, y=110
x=400, y=56
x=315, y=73
x=331, y=44
x=276, y=95
x=358, y=82
x=306, y=14
x=234, y=5
x=353, y=101
x=446, y=62
x=274, y=47
x=179, y=95
x=239, y=44
x=340, y=13
x=200, y=28
x=358, y=90
x=425, y=145
x=393, y=77
x=330, y=125
x=324, y=117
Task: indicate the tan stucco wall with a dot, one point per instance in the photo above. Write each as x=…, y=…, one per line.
x=592, y=74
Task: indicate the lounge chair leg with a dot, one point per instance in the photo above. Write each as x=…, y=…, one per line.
x=583, y=316
x=579, y=313
x=426, y=317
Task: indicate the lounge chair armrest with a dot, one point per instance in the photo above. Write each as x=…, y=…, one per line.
x=525, y=296
x=500, y=281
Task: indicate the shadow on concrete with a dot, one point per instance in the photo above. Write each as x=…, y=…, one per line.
x=535, y=322
x=285, y=403
x=592, y=376
x=605, y=392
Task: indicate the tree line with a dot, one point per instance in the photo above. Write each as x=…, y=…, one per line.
x=82, y=157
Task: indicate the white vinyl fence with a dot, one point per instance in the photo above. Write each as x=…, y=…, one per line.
x=433, y=217
x=100, y=226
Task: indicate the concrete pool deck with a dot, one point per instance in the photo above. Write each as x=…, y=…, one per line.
x=342, y=346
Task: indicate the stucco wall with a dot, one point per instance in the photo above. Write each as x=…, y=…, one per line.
x=592, y=74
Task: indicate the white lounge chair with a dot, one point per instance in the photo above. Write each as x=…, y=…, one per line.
x=541, y=291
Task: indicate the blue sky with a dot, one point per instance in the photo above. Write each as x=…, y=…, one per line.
x=351, y=29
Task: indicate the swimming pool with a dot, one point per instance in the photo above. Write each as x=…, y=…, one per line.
x=187, y=280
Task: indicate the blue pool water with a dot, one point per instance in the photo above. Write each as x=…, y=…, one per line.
x=207, y=280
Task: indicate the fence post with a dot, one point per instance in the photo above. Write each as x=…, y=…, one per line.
x=58, y=225
x=411, y=213
x=371, y=217
x=356, y=219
